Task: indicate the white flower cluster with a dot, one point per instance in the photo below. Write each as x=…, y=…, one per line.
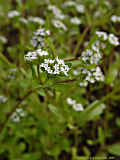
x=13, y=14
x=18, y=115
x=76, y=106
x=33, y=55
x=3, y=39
x=58, y=24
x=115, y=18
x=75, y=20
x=93, y=75
x=12, y=73
x=83, y=84
x=89, y=75
x=102, y=35
x=92, y=55
x=36, y=20
x=56, y=66
x=3, y=99
x=79, y=7
x=56, y=11
x=112, y=39
x=23, y=20
x=38, y=42
x=38, y=38
x=69, y=3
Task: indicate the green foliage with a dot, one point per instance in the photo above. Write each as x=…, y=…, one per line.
x=59, y=79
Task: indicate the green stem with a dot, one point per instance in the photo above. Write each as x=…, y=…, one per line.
x=38, y=71
x=79, y=41
x=14, y=109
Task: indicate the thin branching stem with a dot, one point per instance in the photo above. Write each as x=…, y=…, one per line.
x=14, y=109
x=80, y=40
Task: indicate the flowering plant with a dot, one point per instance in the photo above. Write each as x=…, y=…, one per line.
x=59, y=64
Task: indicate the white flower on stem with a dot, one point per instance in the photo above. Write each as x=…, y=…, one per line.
x=78, y=107
x=102, y=34
x=69, y=3
x=3, y=39
x=115, y=18
x=41, y=52
x=55, y=66
x=3, y=99
x=84, y=83
x=113, y=39
x=75, y=20
x=58, y=24
x=22, y=19
x=42, y=32
x=13, y=13
x=71, y=101
x=56, y=11
x=80, y=8
x=34, y=55
x=16, y=116
x=36, y=20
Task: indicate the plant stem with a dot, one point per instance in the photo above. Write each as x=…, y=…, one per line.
x=66, y=81
x=38, y=71
x=14, y=109
x=72, y=59
x=80, y=40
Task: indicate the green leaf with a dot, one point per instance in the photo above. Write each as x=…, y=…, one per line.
x=91, y=112
x=114, y=149
x=5, y=60
x=34, y=74
x=112, y=73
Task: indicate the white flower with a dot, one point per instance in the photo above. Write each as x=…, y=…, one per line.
x=113, y=39
x=102, y=34
x=30, y=56
x=49, y=61
x=16, y=116
x=70, y=101
x=75, y=72
x=59, y=61
x=98, y=74
x=3, y=99
x=13, y=13
x=57, y=69
x=78, y=107
x=115, y=18
x=97, y=14
x=34, y=55
x=55, y=66
x=41, y=52
x=85, y=83
x=20, y=112
x=3, y=39
x=42, y=32
x=95, y=47
x=22, y=19
x=69, y=3
x=80, y=8
x=75, y=20
x=36, y=20
x=59, y=24
x=56, y=11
